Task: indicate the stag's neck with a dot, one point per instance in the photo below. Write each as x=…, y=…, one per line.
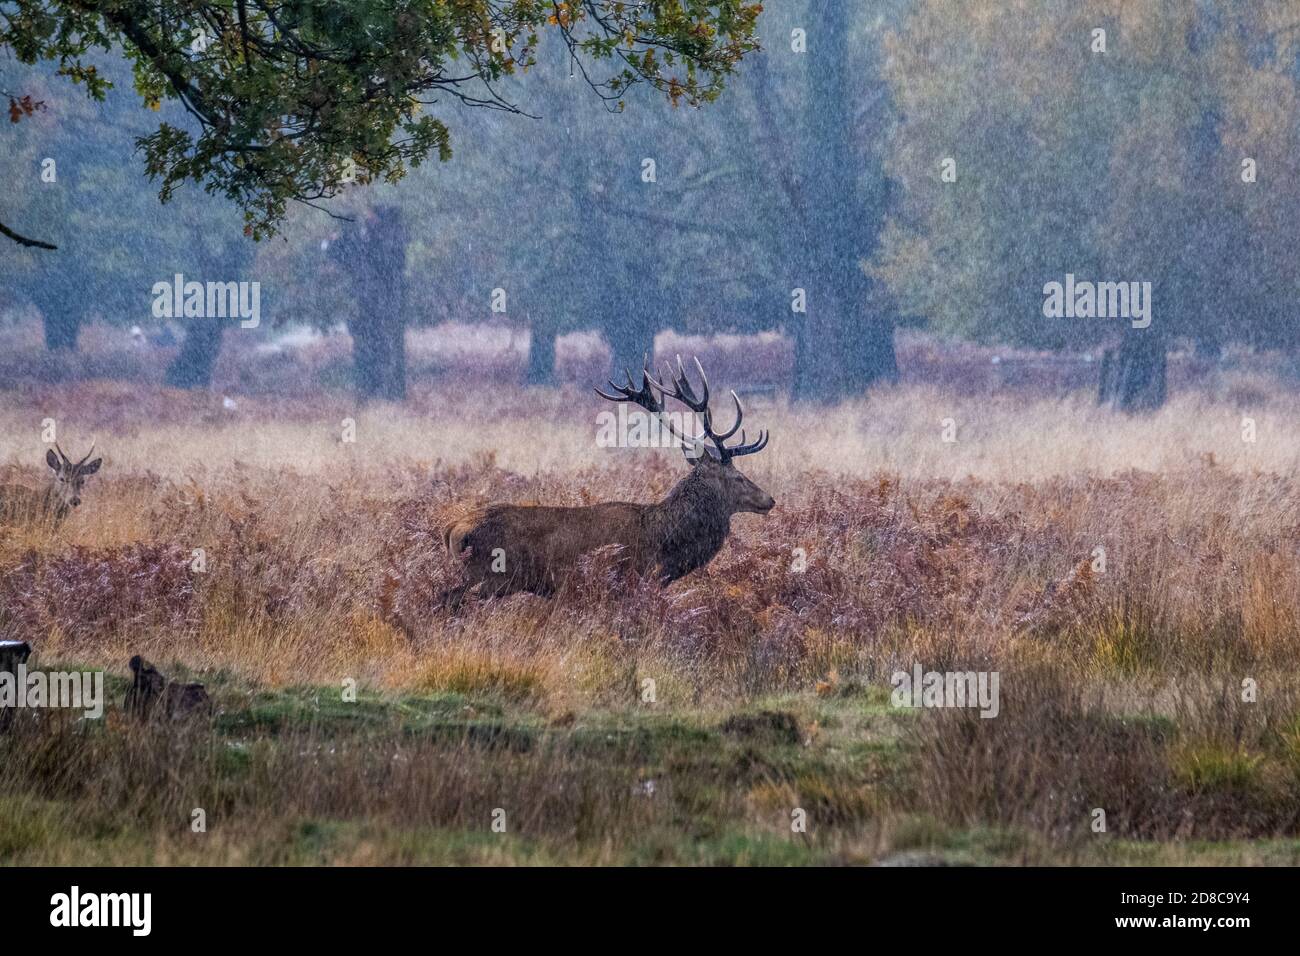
x=688, y=527
x=53, y=504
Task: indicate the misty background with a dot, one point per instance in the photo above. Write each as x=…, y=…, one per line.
x=808, y=203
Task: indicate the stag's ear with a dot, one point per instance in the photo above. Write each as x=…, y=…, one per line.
x=91, y=468
x=52, y=459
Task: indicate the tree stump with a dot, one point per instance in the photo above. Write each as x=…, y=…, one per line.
x=12, y=653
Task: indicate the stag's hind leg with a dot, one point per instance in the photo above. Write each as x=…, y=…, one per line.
x=453, y=598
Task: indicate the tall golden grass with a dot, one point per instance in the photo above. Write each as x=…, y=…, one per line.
x=889, y=545
x=323, y=554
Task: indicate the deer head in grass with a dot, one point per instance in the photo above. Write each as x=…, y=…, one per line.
x=58, y=498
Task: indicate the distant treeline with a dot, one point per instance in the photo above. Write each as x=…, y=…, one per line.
x=902, y=162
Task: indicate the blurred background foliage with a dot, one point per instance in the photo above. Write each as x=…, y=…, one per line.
x=817, y=169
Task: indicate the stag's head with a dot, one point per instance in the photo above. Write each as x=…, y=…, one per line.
x=69, y=476
x=713, y=460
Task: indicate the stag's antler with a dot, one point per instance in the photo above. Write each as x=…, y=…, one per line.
x=645, y=397
x=68, y=461
x=684, y=392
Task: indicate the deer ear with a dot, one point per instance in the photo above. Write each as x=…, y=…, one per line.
x=52, y=459
x=91, y=468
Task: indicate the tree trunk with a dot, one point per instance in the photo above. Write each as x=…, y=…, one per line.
x=872, y=357
x=379, y=353
x=840, y=350
x=1133, y=376
x=848, y=338
x=61, y=329
x=394, y=368
x=803, y=385
x=192, y=367
x=541, y=352
x=365, y=355
x=374, y=256
x=631, y=340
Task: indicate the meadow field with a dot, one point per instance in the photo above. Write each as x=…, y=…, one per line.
x=1134, y=581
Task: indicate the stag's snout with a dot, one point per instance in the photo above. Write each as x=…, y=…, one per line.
x=746, y=495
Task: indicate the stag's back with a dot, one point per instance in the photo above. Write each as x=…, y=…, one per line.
x=533, y=548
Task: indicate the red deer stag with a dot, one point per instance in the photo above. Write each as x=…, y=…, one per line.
x=19, y=504
x=507, y=548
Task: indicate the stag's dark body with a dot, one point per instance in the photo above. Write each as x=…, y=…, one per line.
x=540, y=546
x=508, y=548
